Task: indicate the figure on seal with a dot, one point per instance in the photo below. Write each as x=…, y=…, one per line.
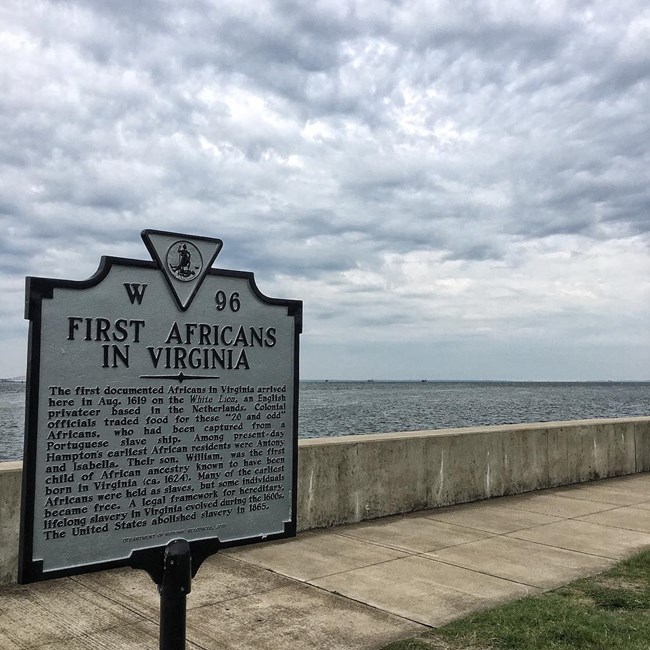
x=184, y=260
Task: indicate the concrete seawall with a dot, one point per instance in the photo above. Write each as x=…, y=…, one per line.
x=352, y=478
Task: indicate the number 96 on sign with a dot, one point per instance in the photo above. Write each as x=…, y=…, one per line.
x=223, y=300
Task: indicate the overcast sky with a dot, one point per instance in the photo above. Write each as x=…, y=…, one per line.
x=456, y=190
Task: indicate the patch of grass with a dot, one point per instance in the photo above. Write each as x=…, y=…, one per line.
x=610, y=611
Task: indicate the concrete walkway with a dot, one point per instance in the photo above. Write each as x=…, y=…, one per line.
x=352, y=587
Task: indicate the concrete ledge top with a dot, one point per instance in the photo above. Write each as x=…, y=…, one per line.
x=354, y=439
x=11, y=465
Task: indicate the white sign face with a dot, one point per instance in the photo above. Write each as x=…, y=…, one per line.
x=161, y=404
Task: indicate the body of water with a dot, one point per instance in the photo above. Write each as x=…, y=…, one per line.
x=12, y=420
x=344, y=408
x=336, y=408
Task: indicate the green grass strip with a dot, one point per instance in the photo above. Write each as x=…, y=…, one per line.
x=610, y=611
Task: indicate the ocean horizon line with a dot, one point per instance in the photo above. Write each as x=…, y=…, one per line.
x=478, y=381
x=22, y=380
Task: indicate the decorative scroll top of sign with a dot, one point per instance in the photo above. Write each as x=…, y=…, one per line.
x=183, y=260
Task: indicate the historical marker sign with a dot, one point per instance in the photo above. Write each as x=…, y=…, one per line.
x=161, y=404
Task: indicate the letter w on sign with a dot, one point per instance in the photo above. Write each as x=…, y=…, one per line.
x=135, y=291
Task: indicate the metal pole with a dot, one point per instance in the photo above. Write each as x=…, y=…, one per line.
x=176, y=584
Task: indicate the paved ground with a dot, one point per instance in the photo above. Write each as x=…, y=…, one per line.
x=352, y=587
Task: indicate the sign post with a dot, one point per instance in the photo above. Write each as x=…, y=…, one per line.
x=161, y=419
x=176, y=584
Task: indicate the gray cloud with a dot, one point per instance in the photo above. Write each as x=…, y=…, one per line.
x=390, y=162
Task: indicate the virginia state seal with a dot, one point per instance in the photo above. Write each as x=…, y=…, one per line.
x=184, y=260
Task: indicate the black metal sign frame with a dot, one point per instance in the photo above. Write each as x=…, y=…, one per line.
x=151, y=558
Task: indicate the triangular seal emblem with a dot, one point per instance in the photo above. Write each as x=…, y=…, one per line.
x=183, y=259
